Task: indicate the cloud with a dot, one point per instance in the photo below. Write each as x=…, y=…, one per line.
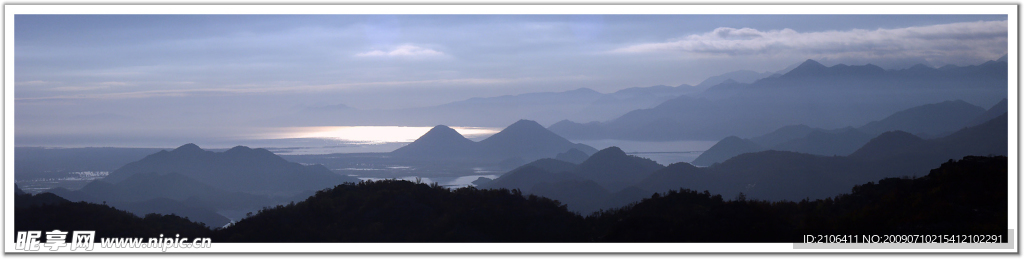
x=402, y=51
x=34, y=82
x=77, y=88
x=938, y=43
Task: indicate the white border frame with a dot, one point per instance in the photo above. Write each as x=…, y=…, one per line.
x=1009, y=10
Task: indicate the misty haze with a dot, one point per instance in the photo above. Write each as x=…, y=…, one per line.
x=512, y=128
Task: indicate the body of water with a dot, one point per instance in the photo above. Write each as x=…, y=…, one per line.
x=663, y=152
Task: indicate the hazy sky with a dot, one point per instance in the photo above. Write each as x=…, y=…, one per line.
x=219, y=70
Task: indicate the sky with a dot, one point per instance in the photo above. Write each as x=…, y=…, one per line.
x=123, y=73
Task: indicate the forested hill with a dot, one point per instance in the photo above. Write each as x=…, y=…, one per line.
x=968, y=196
x=960, y=197
x=402, y=211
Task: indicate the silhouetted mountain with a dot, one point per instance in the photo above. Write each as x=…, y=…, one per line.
x=782, y=135
x=815, y=70
x=402, y=211
x=726, y=148
x=613, y=169
x=574, y=156
x=993, y=112
x=811, y=94
x=522, y=141
x=440, y=142
x=240, y=169
x=839, y=142
x=928, y=120
x=529, y=140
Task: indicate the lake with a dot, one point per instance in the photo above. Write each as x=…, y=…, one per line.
x=663, y=152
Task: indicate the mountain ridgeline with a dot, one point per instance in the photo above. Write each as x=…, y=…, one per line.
x=524, y=140
x=610, y=178
x=602, y=180
x=927, y=121
x=204, y=185
x=785, y=175
x=965, y=197
x=240, y=169
x=810, y=94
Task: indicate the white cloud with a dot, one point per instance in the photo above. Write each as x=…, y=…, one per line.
x=942, y=43
x=34, y=82
x=402, y=51
x=78, y=88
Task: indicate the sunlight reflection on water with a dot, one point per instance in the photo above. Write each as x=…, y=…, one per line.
x=371, y=134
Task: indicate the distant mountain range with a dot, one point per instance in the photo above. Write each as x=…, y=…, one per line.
x=928, y=121
x=778, y=175
x=582, y=105
x=524, y=140
x=811, y=94
x=610, y=178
